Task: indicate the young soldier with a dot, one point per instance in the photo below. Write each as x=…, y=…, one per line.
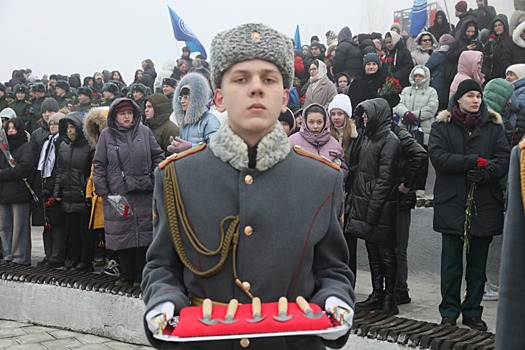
x=85, y=94
x=287, y=240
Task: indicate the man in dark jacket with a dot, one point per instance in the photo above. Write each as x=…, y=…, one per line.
x=72, y=173
x=38, y=95
x=85, y=94
x=158, y=111
x=348, y=58
x=374, y=203
x=230, y=182
x=485, y=14
x=461, y=140
x=48, y=108
x=64, y=97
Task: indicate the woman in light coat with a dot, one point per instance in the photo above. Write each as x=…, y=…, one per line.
x=321, y=90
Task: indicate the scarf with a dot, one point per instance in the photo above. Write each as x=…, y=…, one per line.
x=469, y=120
x=46, y=162
x=321, y=73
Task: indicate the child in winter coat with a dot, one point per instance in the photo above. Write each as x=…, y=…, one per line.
x=314, y=136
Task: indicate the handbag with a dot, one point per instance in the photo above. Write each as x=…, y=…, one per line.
x=417, y=132
x=134, y=183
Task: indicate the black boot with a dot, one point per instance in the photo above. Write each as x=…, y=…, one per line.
x=389, y=260
x=375, y=300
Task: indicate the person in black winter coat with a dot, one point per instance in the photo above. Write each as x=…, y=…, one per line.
x=399, y=61
x=348, y=58
x=459, y=139
x=412, y=161
x=149, y=74
x=72, y=174
x=484, y=14
x=498, y=50
x=465, y=15
x=374, y=203
x=466, y=39
x=438, y=64
x=15, y=197
x=440, y=26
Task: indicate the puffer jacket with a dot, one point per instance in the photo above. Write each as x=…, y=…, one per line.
x=96, y=121
x=518, y=45
x=374, y=195
x=161, y=125
x=12, y=187
x=467, y=69
x=73, y=166
x=322, y=144
x=148, y=78
x=496, y=95
x=453, y=152
x=498, y=51
x=458, y=47
x=197, y=124
x=515, y=114
x=140, y=154
x=421, y=56
x=420, y=99
x=38, y=137
x=349, y=58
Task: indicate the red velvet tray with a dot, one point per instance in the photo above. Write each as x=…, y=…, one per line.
x=189, y=328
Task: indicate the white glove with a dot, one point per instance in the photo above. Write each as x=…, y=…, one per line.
x=160, y=314
x=341, y=311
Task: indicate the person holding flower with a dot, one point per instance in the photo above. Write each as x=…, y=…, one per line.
x=498, y=50
x=470, y=153
x=15, y=194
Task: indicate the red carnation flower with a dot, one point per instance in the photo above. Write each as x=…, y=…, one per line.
x=4, y=146
x=482, y=162
x=390, y=59
x=126, y=210
x=492, y=36
x=48, y=227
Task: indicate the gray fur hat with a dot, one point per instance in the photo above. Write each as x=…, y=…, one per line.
x=249, y=42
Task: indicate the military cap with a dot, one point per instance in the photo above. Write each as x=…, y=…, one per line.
x=38, y=87
x=20, y=88
x=139, y=87
x=85, y=90
x=62, y=84
x=169, y=81
x=111, y=87
x=249, y=42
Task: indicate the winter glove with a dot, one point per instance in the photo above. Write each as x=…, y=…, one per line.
x=159, y=316
x=178, y=145
x=409, y=119
x=492, y=171
x=342, y=312
x=478, y=176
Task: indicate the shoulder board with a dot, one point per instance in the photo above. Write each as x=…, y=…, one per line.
x=28, y=102
x=201, y=146
x=9, y=100
x=307, y=154
x=94, y=105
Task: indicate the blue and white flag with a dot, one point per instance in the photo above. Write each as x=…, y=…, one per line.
x=418, y=17
x=183, y=33
x=297, y=39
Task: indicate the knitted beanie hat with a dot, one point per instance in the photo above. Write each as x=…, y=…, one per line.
x=341, y=102
x=518, y=69
x=461, y=6
x=249, y=42
x=288, y=118
x=446, y=39
x=49, y=104
x=466, y=86
x=371, y=57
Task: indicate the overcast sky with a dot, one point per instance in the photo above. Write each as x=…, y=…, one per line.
x=71, y=36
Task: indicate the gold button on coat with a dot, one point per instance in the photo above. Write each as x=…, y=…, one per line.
x=245, y=342
x=248, y=179
x=248, y=230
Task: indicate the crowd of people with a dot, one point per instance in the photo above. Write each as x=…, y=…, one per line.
x=375, y=106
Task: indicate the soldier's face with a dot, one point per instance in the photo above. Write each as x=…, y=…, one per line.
x=149, y=111
x=167, y=89
x=20, y=95
x=83, y=98
x=137, y=95
x=60, y=92
x=253, y=94
x=108, y=95
x=2, y=93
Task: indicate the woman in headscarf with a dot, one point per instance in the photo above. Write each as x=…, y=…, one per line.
x=321, y=90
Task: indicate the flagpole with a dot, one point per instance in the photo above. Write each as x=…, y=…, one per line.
x=448, y=15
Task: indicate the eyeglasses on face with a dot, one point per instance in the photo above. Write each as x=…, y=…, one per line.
x=184, y=98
